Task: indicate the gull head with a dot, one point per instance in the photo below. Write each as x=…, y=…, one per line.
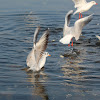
x=94, y=3
x=46, y=54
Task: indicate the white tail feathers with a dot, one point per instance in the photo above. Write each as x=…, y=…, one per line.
x=66, y=39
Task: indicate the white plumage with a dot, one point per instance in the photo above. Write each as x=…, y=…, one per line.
x=37, y=57
x=74, y=31
x=79, y=3
x=83, y=6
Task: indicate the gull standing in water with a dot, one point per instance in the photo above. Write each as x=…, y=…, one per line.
x=37, y=57
x=74, y=31
x=82, y=6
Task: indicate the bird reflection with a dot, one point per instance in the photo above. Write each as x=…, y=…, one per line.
x=31, y=19
x=74, y=72
x=37, y=80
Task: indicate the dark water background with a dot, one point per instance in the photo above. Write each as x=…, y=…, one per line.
x=74, y=77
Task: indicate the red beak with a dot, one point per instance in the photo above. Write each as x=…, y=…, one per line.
x=96, y=4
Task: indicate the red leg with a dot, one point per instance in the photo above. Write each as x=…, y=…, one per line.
x=81, y=16
x=69, y=45
x=72, y=44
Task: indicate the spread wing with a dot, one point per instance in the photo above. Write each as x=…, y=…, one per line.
x=67, y=21
x=35, y=35
x=41, y=46
x=79, y=24
x=68, y=17
x=79, y=3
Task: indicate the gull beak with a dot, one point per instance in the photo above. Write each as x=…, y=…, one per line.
x=96, y=4
x=49, y=55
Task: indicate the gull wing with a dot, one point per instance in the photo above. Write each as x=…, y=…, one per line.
x=79, y=3
x=67, y=21
x=79, y=24
x=35, y=35
x=41, y=46
x=68, y=17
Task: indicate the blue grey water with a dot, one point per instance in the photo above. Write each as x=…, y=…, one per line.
x=76, y=76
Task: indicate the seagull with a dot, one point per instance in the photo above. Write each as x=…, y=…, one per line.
x=37, y=57
x=82, y=6
x=74, y=31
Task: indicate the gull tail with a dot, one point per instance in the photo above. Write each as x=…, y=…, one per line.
x=66, y=39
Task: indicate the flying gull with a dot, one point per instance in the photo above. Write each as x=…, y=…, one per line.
x=74, y=31
x=83, y=6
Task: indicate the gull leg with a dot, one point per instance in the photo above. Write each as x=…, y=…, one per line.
x=72, y=43
x=68, y=45
x=81, y=16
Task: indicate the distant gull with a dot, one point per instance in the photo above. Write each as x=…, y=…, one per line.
x=37, y=57
x=83, y=6
x=74, y=31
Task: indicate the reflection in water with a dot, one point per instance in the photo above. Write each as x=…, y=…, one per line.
x=31, y=19
x=37, y=80
x=75, y=73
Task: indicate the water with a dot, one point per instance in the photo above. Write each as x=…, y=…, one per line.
x=74, y=77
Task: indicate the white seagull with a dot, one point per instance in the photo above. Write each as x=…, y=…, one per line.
x=82, y=6
x=37, y=57
x=74, y=31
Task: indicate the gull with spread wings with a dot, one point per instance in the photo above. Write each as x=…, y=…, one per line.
x=74, y=31
x=83, y=6
x=37, y=57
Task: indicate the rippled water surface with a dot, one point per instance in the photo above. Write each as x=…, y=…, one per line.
x=69, y=74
